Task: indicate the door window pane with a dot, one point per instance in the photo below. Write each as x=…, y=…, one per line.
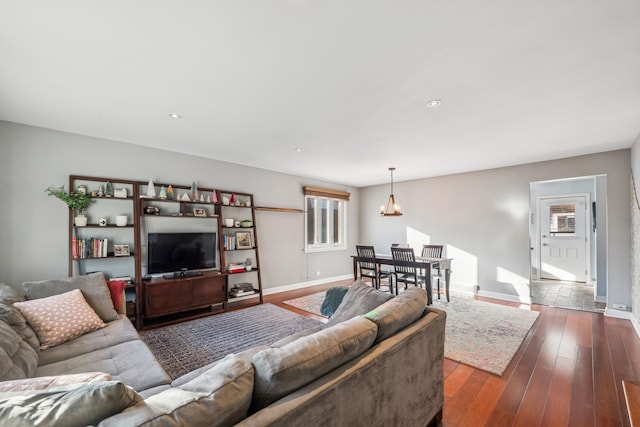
x=562, y=220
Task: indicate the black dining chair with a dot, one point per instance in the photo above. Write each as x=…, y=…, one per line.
x=369, y=267
x=406, y=271
x=434, y=251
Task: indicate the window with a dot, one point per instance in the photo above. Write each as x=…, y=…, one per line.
x=326, y=220
x=562, y=220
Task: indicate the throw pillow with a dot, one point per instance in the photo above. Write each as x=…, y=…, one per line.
x=280, y=371
x=43, y=383
x=359, y=299
x=8, y=295
x=115, y=289
x=398, y=312
x=93, y=286
x=332, y=300
x=66, y=406
x=60, y=318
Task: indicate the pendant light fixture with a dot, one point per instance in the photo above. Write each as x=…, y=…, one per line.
x=392, y=208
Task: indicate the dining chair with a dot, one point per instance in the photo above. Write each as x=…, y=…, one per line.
x=400, y=245
x=406, y=271
x=369, y=267
x=435, y=251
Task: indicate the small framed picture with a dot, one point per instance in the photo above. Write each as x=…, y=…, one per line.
x=199, y=212
x=121, y=250
x=243, y=240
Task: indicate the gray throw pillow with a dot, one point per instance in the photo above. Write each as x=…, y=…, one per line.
x=8, y=295
x=359, y=299
x=93, y=286
x=399, y=312
x=72, y=405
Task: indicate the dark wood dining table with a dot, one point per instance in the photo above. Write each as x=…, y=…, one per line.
x=421, y=262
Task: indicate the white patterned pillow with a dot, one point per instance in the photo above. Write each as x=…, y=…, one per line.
x=60, y=318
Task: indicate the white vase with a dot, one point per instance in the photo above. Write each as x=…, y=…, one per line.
x=121, y=220
x=80, y=220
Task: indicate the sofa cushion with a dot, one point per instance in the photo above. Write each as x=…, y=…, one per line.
x=358, y=300
x=131, y=362
x=93, y=287
x=116, y=332
x=16, y=320
x=279, y=371
x=219, y=396
x=115, y=290
x=17, y=358
x=66, y=406
x=8, y=295
x=60, y=318
x=332, y=299
x=398, y=312
x=43, y=383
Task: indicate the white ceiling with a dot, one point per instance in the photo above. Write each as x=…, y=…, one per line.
x=346, y=81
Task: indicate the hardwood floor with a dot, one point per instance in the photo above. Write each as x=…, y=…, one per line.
x=568, y=372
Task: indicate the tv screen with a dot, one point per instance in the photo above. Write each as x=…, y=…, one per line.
x=169, y=252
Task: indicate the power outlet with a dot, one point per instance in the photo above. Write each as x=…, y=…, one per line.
x=620, y=307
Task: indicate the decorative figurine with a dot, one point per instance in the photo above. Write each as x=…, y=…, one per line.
x=109, y=191
x=163, y=193
x=232, y=200
x=170, y=192
x=202, y=197
x=151, y=191
x=214, y=196
x=208, y=199
x=100, y=191
x=194, y=191
x=185, y=197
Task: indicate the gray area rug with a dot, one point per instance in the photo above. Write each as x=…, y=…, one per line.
x=183, y=347
x=480, y=334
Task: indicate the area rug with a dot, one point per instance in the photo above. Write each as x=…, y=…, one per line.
x=310, y=303
x=186, y=346
x=480, y=334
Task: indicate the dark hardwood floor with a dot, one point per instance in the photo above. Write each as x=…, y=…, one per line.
x=568, y=372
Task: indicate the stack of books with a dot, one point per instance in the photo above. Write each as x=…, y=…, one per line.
x=235, y=267
x=241, y=289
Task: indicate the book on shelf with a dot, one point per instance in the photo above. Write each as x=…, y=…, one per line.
x=89, y=248
x=241, y=293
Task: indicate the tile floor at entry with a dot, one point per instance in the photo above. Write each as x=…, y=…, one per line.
x=577, y=296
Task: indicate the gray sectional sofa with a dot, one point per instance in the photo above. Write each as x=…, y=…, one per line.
x=373, y=365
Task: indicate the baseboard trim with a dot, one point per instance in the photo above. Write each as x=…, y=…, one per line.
x=302, y=285
x=505, y=297
x=618, y=314
x=636, y=325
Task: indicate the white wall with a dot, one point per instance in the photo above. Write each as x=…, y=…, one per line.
x=34, y=232
x=482, y=218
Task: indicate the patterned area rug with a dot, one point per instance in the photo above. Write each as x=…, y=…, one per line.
x=183, y=347
x=310, y=303
x=480, y=334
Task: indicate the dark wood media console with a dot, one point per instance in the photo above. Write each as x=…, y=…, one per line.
x=182, y=294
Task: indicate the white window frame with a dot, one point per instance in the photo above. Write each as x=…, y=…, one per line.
x=318, y=246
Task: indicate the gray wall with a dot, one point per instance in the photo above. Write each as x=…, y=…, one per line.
x=482, y=218
x=635, y=232
x=34, y=232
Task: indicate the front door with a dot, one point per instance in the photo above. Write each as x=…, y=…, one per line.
x=563, y=238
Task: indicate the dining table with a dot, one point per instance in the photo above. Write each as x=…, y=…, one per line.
x=423, y=263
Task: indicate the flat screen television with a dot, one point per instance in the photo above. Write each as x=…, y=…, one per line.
x=170, y=252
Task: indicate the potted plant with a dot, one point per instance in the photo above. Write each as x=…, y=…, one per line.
x=77, y=201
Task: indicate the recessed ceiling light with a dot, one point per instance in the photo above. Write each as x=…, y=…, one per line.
x=297, y=150
x=434, y=103
x=175, y=116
